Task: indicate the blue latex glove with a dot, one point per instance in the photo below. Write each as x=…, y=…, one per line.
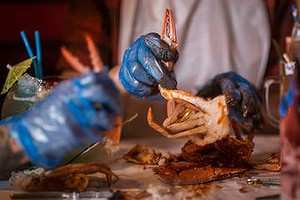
x=77, y=112
x=242, y=98
x=142, y=68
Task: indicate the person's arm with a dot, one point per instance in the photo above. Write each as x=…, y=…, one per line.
x=12, y=154
x=77, y=112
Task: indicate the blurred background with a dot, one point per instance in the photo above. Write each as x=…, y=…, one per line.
x=47, y=16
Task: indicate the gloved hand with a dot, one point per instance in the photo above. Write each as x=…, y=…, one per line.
x=242, y=98
x=77, y=112
x=142, y=68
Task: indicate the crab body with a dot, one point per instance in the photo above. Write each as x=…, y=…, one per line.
x=189, y=115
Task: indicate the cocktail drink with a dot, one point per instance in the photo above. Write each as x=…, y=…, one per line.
x=24, y=94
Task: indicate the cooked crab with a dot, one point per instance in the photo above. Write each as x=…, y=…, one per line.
x=189, y=115
x=207, y=120
x=72, y=177
x=217, y=149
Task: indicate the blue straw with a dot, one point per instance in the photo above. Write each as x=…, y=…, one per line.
x=29, y=51
x=38, y=54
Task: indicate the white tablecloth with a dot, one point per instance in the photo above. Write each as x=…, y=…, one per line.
x=138, y=178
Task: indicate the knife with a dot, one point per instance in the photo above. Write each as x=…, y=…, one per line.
x=98, y=195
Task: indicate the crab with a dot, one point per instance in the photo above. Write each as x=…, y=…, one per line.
x=189, y=115
x=216, y=148
x=186, y=173
x=206, y=121
x=72, y=177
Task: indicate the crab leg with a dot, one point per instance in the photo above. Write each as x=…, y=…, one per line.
x=191, y=115
x=77, y=168
x=168, y=33
x=82, y=168
x=174, y=109
x=173, y=115
x=95, y=57
x=171, y=107
x=164, y=131
x=73, y=61
x=176, y=127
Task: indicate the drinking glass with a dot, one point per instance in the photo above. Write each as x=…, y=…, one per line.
x=288, y=122
x=25, y=93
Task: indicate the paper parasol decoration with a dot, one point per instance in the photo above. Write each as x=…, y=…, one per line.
x=15, y=72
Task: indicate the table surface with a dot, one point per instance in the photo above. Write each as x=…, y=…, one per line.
x=138, y=178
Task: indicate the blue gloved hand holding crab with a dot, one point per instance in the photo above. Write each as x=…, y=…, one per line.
x=143, y=67
x=143, y=70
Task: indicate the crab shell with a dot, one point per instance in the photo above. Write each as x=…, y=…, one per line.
x=215, y=114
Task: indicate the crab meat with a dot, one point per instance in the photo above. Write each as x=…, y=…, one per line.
x=190, y=115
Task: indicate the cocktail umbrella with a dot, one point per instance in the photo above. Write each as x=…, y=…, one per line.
x=15, y=72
